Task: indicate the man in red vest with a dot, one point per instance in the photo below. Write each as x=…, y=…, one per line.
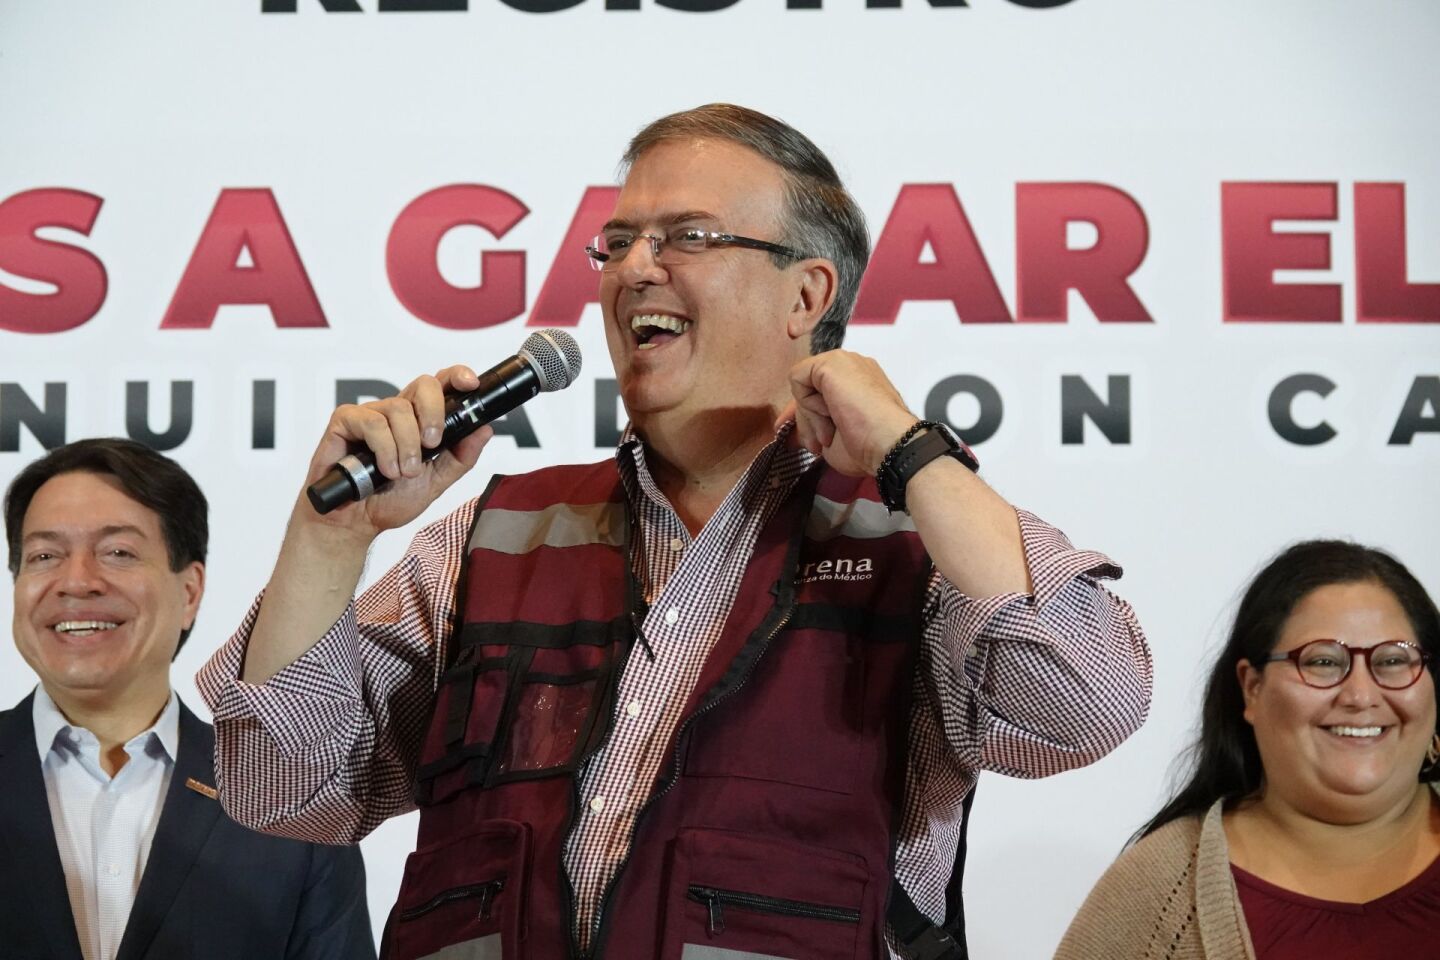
x=722, y=696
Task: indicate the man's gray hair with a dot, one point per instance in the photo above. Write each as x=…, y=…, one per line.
x=821, y=219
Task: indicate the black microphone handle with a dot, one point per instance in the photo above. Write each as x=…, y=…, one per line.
x=502, y=389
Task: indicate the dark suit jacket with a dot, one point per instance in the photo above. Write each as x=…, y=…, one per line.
x=211, y=888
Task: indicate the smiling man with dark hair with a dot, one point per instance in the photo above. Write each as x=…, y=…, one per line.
x=111, y=842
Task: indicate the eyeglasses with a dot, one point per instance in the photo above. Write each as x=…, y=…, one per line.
x=678, y=245
x=1395, y=664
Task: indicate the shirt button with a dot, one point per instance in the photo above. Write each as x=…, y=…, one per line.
x=597, y=804
x=672, y=615
x=112, y=870
x=677, y=544
x=633, y=708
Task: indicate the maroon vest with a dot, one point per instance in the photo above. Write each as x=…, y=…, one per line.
x=771, y=829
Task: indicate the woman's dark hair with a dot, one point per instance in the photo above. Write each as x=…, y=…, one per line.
x=1224, y=762
x=149, y=478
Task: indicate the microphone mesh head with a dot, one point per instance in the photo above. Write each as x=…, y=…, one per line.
x=555, y=356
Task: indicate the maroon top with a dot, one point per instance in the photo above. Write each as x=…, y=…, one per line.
x=1285, y=925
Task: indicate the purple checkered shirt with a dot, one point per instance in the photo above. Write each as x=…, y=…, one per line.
x=1022, y=684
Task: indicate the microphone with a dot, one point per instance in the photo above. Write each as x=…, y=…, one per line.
x=547, y=360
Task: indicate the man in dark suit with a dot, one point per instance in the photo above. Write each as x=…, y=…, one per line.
x=112, y=843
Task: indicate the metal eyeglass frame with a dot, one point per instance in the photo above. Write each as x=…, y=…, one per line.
x=599, y=259
x=1353, y=652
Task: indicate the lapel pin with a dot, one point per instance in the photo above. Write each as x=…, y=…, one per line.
x=202, y=789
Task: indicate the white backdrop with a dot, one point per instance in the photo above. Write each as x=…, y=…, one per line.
x=156, y=106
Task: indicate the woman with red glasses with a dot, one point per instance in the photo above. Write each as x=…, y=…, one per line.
x=1309, y=824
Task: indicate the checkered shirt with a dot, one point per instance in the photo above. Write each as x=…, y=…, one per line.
x=1022, y=684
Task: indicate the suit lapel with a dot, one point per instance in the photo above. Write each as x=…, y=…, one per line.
x=28, y=837
x=185, y=824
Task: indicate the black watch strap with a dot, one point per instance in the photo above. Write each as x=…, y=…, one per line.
x=922, y=443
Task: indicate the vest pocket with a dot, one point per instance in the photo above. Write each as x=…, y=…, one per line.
x=460, y=740
x=765, y=897
x=717, y=901
x=464, y=896
x=550, y=717
x=555, y=711
x=533, y=703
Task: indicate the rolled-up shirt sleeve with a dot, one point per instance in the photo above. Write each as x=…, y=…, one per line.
x=1032, y=684
x=326, y=749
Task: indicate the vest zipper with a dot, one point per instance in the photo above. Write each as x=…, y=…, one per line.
x=714, y=899
x=599, y=941
x=572, y=944
x=485, y=892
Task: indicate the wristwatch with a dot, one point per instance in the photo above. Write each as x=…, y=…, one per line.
x=925, y=441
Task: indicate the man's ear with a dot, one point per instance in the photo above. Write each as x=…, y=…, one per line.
x=819, y=284
x=192, y=582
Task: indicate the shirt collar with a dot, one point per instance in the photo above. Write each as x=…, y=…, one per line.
x=778, y=460
x=51, y=724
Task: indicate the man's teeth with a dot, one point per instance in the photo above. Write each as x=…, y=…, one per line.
x=83, y=628
x=657, y=321
x=661, y=320
x=1356, y=731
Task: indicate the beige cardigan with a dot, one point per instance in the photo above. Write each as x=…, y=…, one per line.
x=1169, y=897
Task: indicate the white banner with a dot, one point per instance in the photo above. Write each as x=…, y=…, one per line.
x=1173, y=269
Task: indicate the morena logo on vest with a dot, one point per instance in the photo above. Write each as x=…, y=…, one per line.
x=842, y=568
